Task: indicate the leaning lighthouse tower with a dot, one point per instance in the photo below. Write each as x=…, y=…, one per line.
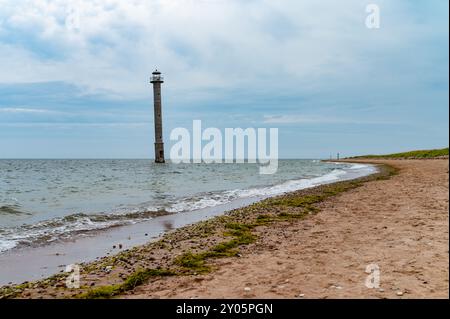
x=156, y=80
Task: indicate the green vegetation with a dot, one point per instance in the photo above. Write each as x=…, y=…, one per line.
x=197, y=262
x=412, y=154
x=134, y=280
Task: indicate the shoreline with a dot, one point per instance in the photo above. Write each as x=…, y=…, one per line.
x=52, y=258
x=312, y=243
x=213, y=230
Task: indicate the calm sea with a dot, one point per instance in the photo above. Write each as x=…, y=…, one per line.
x=43, y=201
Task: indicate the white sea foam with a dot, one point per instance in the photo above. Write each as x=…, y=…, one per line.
x=189, y=204
x=7, y=245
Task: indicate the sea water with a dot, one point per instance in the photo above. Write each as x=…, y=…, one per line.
x=43, y=201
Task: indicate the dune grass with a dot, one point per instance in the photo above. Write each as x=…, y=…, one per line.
x=412, y=154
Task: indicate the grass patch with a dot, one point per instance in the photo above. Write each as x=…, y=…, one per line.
x=288, y=216
x=139, y=277
x=134, y=280
x=263, y=220
x=197, y=262
x=103, y=292
x=412, y=154
x=299, y=201
x=193, y=262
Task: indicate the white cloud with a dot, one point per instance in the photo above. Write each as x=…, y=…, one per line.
x=317, y=119
x=26, y=110
x=113, y=45
x=66, y=125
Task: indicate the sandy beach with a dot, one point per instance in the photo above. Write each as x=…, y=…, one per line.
x=313, y=243
x=401, y=224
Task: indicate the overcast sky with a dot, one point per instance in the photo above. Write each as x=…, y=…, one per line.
x=74, y=75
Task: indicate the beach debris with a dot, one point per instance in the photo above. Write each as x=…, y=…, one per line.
x=247, y=289
x=381, y=290
x=108, y=269
x=301, y=295
x=399, y=293
x=120, y=246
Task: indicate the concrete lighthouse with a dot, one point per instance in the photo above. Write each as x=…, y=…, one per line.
x=156, y=80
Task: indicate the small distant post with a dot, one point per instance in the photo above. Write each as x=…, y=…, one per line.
x=156, y=80
x=337, y=156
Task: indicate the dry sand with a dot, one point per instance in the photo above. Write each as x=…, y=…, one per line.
x=400, y=224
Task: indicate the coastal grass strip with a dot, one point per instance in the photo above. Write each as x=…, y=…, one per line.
x=197, y=262
x=134, y=280
x=421, y=154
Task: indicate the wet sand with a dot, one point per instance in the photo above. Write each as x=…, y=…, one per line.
x=400, y=224
x=35, y=263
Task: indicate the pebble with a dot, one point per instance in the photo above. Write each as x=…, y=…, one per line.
x=399, y=293
x=247, y=289
x=381, y=290
x=120, y=246
x=301, y=295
